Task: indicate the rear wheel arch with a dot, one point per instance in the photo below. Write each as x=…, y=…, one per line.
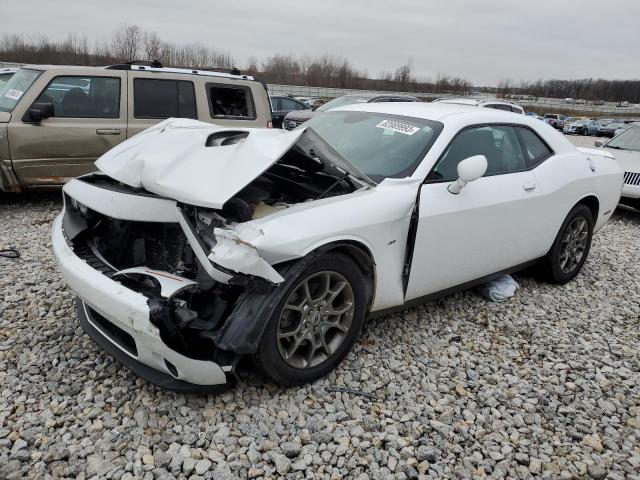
x=592, y=202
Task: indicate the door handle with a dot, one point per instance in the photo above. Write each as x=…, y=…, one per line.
x=529, y=187
x=108, y=131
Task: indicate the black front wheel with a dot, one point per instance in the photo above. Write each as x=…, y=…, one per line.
x=316, y=324
x=571, y=246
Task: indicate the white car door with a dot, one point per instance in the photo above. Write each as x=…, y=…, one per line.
x=488, y=227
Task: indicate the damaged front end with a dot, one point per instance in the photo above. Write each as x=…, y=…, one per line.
x=206, y=291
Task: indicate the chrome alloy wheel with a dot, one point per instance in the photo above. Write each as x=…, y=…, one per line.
x=315, y=319
x=573, y=244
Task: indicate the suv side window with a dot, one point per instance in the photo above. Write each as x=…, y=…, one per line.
x=83, y=97
x=230, y=101
x=499, y=144
x=158, y=98
x=535, y=149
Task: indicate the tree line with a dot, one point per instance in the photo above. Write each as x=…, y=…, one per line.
x=587, y=89
x=130, y=43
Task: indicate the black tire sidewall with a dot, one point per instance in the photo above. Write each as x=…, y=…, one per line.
x=268, y=356
x=553, y=259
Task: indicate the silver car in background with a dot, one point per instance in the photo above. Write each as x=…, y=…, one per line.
x=581, y=127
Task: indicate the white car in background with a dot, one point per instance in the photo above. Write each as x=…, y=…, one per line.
x=626, y=148
x=484, y=103
x=622, y=129
x=197, y=245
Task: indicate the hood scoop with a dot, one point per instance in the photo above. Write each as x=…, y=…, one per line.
x=196, y=162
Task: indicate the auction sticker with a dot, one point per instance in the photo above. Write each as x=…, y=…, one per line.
x=13, y=94
x=398, y=127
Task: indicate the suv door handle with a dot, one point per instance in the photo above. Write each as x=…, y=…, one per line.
x=108, y=131
x=529, y=187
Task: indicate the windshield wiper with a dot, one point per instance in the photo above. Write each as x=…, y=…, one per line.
x=616, y=147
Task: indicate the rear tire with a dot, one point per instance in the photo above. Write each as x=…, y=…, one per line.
x=571, y=246
x=306, y=336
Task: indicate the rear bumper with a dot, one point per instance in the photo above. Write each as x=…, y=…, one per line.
x=128, y=311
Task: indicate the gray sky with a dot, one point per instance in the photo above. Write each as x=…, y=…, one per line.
x=481, y=40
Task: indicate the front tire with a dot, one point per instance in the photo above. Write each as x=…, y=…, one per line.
x=571, y=246
x=316, y=323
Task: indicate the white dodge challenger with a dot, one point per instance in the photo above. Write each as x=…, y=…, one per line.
x=196, y=246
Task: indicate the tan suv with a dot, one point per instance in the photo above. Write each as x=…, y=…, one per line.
x=55, y=121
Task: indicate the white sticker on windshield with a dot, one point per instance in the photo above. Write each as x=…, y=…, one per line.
x=13, y=94
x=398, y=127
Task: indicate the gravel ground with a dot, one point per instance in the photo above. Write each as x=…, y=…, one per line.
x=546, y=385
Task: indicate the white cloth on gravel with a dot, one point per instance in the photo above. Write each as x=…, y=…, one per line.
x=499, y=289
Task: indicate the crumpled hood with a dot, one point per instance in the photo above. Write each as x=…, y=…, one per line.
x=171, y=159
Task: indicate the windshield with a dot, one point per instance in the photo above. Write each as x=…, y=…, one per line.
x=627, y=140
x=579, y=123
x=342, y=101
x=4, y=78
x=18, y=84
x=379, y=145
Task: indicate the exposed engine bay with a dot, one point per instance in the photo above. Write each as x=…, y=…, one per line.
x=299, y=176
x=141, y=255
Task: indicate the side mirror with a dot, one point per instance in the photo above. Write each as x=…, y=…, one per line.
x=599, y=143
x=39, y=111
x=469, y=169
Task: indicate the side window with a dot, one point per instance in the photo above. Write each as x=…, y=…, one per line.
x=230, y=101
x=288, y=104
x=499, y=144
x=535, y=149
x=275, y=104
x=156, y=98
x=83, y=97
x=498, y=106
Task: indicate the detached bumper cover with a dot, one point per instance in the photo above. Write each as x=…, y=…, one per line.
x=128, y=311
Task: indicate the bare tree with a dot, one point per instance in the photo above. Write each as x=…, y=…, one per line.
x=151, y=45
x=126, y=43
x=403, y=76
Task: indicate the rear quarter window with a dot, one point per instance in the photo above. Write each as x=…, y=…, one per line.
x=230, y=101
x=535, y=149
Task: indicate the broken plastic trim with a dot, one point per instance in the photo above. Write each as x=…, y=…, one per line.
x=198, y=248
x=243, y=266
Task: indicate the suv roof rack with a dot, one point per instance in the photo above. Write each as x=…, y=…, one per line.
x=127, y=65
x=156, y=66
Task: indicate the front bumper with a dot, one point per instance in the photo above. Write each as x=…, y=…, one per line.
x=631, y=191
x=128, y=310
